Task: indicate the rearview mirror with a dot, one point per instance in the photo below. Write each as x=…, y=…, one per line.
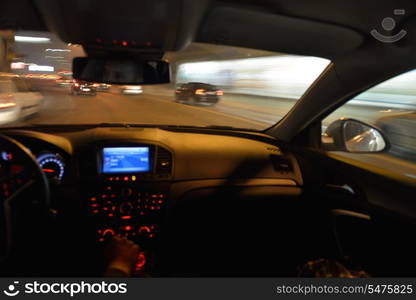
x=353, y=136
x=120, y=71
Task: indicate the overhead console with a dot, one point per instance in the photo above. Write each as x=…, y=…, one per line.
x=124, y=26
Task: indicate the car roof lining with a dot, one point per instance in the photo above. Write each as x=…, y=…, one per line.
x=320, y=28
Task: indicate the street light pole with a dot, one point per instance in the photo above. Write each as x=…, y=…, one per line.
x=6, y=49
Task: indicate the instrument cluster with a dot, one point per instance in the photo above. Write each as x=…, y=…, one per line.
x=52, y=164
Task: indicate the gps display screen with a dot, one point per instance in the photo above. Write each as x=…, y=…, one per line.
x=125, y=160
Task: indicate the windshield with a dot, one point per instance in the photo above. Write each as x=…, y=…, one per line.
x=211, y=85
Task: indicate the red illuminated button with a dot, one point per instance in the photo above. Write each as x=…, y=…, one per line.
x=108, y=232
x=144, y=229
x=141, y=261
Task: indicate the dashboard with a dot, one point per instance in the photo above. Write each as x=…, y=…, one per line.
x=128, y=178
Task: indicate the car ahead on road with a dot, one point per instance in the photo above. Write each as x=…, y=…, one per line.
x=210, y=193
x=83, y=88
x=400, y=128
x=131, y=89
x=64, y=83
x=197, y=93
x=17, y=101
x=102, y=87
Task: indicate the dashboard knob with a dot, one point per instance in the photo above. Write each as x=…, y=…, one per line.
x=141, y=261
x=126, y=208
x=126, y=191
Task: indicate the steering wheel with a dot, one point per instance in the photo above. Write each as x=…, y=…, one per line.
x=24, y=198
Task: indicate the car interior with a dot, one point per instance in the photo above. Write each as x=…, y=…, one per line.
x=210, y=201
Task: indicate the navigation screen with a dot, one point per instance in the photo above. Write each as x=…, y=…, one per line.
x=125, y=160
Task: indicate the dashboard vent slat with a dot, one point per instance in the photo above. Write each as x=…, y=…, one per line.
x=163, y=162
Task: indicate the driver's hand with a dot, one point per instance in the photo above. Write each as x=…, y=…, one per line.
x=122, y=254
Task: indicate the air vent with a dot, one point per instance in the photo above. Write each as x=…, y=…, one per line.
x=281, y=164
x=163, y=162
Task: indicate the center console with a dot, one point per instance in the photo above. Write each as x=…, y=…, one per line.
x=131, y=195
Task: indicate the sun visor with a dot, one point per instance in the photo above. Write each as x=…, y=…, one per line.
x=250, y=28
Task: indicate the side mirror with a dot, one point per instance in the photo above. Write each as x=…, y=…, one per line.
x=350, y=135
x=120, y=70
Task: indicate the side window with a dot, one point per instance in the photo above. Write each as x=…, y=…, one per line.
x=389, y=107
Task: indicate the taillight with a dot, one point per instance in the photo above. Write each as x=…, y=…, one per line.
x=220, y=93
x=200, y=92
x=4, y=105
x=76, y=84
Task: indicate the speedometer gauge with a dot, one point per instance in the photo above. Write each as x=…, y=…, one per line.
x=52, y=164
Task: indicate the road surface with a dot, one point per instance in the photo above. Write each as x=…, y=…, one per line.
x=156, y=106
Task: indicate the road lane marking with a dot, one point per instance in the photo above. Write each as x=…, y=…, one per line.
x=214, y=112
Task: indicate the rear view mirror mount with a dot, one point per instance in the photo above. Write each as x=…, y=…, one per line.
x=121, y=70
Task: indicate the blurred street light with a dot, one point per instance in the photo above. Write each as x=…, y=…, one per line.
x=31, y=39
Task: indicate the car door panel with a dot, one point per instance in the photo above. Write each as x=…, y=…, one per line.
x=379, y=213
